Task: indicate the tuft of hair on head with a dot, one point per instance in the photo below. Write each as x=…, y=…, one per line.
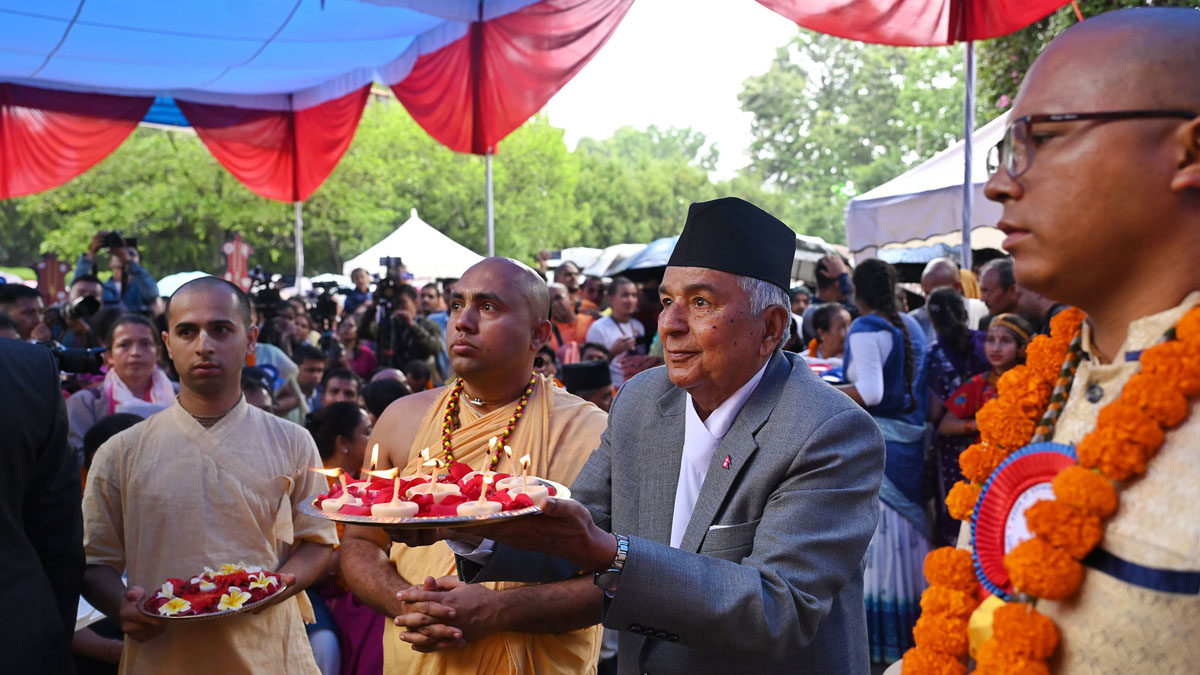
x=1004, y=271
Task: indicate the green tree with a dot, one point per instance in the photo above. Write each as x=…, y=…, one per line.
x=1003, y=62
x=834, y=118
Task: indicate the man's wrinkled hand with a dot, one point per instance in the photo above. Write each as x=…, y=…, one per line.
x=425, y=620
x=564, y=529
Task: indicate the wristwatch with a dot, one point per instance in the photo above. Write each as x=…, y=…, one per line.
x=607, y=580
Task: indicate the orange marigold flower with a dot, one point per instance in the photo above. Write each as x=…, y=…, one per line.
x=1004, y=425
x=1024, y=390
x=1045, y=357
x=942, y=633
x=961, y=499
x=1176, y=364
x=1188, y=327
x=1086, y=490
x=921, y=661
x=948, y=602
x=952, y=568
x=1065, y=324
x=1124, y=439
x=1024, y=631
x=1065, y=526
x=1162, y=404
x=1043, y=570
x=994, y=659
x=978, y=461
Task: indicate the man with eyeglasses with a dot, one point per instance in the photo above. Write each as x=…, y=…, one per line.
x=1099, y=177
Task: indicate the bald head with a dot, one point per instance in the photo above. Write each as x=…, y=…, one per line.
x=213, y=284
x=940, y=273
x=521, y=282
x=1129, y=59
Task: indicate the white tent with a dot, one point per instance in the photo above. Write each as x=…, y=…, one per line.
x=925, y=201
x=427, y=253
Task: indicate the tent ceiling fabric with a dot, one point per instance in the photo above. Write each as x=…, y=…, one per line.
x=914, y=23
x=927, y=199
x=275, y=88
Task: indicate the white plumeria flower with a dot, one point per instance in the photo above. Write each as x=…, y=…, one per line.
x=234, y=599
x=264, y=582
x=168, y=590
x=204, y=584
x=230, y=568
x=251, y=568
x=209, y=572
x=174, y=606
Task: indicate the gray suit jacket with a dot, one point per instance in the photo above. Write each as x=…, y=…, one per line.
x=768, y=578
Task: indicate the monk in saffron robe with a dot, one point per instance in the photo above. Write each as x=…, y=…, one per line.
x=498, y=320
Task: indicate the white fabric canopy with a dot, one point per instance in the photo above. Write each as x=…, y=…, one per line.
x=927, y=200
x=426, y=253
x=250, y=54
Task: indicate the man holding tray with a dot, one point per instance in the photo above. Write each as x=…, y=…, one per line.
x=207, y=482
x=498, y=320
x=727, y=510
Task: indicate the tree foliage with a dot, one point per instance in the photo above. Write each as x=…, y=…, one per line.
x=834, y=118
x=1003, y=62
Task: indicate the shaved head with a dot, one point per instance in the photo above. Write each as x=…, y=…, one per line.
x=214, y=284
x=1134, y=58
x=530, y=287
x=940, y=273
x=1105, y=213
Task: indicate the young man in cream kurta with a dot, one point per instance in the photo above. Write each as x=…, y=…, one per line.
x=1105, y=216
x=206, y=482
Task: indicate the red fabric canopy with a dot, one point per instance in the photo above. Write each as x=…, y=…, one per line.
x=279, y=154
x=473, y=92
x=914, y=23
x=48, y=137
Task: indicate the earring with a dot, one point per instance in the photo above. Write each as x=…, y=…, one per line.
x=345, y=451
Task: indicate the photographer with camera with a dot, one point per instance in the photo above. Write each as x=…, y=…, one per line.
x=70, y=321
x=130, y=286
x=134, y=383
x=401, y=335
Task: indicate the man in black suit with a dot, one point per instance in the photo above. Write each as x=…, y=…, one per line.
x=41, y=526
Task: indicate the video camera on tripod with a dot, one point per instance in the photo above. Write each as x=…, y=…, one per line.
x=385, y=289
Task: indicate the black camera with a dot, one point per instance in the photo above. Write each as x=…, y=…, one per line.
x=77, y=360
x=114, y=239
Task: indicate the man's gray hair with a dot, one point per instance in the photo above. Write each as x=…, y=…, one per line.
x=764, y=294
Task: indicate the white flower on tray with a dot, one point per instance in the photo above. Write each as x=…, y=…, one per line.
x=168, y=590
x=174, y=606
x=234, y=599
x=230, y=568
x=263, y=581
x=204, y=584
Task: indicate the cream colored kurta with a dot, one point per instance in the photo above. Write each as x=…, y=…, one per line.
x=168, y=497
x=1111, y=626
x=559, y=431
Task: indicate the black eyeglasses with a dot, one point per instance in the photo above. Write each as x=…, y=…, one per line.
x=1014, y=152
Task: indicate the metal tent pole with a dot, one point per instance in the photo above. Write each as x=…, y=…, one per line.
x=491, y=212
x=299, y=244
x=968, y=159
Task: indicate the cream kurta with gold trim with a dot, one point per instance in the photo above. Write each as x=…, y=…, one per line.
x=559, y=431
x=168, y=497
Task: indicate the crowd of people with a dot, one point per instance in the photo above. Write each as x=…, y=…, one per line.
x=759, y=470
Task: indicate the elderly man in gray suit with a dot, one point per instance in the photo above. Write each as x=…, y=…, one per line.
x=727, y=511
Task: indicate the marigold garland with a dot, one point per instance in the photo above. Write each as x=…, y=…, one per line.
x=942, y=633
x=948, y=602
x=922, y=660
x=951, y=568
x=1086, y=490
x=993, y=659
x=1043, y=570
x=960, y=501
x=1024, y=631
x=1128, y=433
x=1065, y=526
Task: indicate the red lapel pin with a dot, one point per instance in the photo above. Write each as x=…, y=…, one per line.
x=725, y=464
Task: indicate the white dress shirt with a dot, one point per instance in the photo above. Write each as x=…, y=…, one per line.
x=700, y=440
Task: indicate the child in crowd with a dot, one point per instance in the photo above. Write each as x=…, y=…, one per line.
x=1005, y=348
